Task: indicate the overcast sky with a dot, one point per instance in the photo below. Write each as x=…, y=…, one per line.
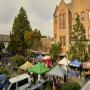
x=39, y=12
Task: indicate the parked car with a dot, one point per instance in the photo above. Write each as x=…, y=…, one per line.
x=20, y=82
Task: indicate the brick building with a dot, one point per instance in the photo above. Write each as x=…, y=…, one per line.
x=64, y=18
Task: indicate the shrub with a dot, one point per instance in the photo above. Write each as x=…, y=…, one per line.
x=17, y=60
x=71, y=86
x=4, y=71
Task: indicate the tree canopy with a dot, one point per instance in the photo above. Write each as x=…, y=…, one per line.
x=22, y=36
x=78, y=41
x=55, y=50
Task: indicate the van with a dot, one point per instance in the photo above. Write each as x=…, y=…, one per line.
x=20, y=82
x=3, y=81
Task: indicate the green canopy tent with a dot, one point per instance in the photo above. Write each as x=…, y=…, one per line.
x=39, y=69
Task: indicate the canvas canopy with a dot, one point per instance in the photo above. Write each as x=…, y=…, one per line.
x=56, y=71
x=75, y=63
x=39, y=68
x=46, y=57
x=64, y=61
x=39, y=57
x=26, y=65
x=86, y=65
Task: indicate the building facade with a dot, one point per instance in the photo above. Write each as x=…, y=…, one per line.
x=64, y=19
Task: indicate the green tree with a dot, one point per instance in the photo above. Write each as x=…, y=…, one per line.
x=20, y=26
x=4, y=71
x=17, y=60
x=78, y=41
x=55, y=49
x=33, y=39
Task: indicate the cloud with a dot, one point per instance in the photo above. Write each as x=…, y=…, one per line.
x=40, y=14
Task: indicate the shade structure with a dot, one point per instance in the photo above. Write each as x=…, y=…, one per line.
x=46, y=57
x=75, y=63
x=64, y=61
x=39, y=68
x=47, y=60
x=26, y=65
x=39, y=57
x=56, y=71
x=86, y=65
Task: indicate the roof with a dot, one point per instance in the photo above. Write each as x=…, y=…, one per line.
x=56, y=71
x=4, y=38
x=18, y=78
x=67, y=4
x=75, y=63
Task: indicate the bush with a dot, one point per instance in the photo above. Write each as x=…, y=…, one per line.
x=4, y=71
x=17, y=60
x=71, y=86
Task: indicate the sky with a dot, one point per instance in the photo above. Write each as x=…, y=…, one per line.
x=39, y=12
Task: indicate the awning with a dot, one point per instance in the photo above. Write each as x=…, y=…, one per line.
x=39, y=68
x=86, y=65
x=75, y=63
x=56, y=71
x=26, y=65
x=64, y=61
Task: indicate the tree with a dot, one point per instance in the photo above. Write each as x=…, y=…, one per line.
x=55, y=49
x=33, y=39
x=4, y=70
x=78, y=41
x=17, y=60
x=20, y=26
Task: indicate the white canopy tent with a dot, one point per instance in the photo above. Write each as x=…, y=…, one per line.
x=64, y=61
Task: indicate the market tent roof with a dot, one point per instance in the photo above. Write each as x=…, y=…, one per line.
x=46, y=57
x=39, y=68
x=86, y=65
x=39, y=57
x=56, y=71
x=75, y=63
x=26, y=65
x=64, y=61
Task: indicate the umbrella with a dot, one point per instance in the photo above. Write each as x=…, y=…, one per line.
x=39, y=68
x=75, y=63
x=26, y=65
x=56, y=71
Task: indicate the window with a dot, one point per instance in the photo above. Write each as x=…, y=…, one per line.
x=60, y=25
x=55, y=21
x=55, y=36
x=22, y=82
x=89, y=34
x=61, y=40
x=13, y=87
x=64, y=41
x=82, y=15
x=64, y=21
x=75, y=15
x=89, y=15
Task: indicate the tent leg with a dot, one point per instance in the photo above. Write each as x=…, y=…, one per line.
x=39, y=77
